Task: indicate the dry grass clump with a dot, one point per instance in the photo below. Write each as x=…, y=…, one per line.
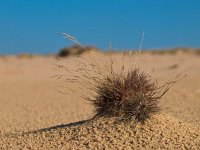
x=126, y=93
x=128, y=96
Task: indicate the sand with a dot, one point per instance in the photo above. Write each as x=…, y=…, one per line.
x=35, y=116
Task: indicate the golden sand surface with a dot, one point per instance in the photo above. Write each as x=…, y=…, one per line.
x=33, y=115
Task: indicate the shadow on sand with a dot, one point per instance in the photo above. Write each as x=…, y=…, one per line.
x=45, y=129
x=56, y=127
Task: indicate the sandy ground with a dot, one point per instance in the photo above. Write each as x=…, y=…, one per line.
x=34, y=115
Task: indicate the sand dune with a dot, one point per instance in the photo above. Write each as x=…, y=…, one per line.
x=160, y=132
x=35, y=116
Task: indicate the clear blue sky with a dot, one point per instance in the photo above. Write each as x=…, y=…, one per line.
x=31, y=25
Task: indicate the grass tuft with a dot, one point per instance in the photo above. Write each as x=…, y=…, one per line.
x=128, y=96
x=126, y=93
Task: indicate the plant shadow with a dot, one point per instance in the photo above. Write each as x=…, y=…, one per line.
x=56, y=127
x=46, y=129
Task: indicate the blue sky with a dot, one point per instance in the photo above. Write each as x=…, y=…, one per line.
x=30, y=26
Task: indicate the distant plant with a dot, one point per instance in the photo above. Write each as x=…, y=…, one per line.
x=75, y=50
x=24, y=55
x=174, y=51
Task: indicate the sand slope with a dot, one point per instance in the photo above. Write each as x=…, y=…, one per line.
x=160, y=132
